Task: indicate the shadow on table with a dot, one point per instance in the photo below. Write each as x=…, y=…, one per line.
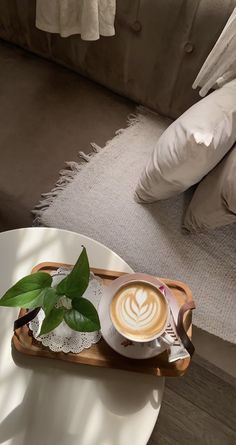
x=64, y=411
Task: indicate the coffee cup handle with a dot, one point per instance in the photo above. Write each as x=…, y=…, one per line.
x=154, y=343
x=167, y=338
x=157, y=342
x=180, y=331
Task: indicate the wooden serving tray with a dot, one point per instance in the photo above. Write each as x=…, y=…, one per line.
x=100, y=354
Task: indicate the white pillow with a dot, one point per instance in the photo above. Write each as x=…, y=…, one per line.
x=191, y=146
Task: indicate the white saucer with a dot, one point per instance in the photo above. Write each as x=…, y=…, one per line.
x=114, y=339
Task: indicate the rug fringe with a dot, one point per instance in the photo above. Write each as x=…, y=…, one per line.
x=66, y=175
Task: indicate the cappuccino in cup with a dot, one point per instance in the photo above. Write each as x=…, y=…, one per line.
x=139, y=311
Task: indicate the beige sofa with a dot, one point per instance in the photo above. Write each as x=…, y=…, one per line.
x=157, y=52
x=49, y=113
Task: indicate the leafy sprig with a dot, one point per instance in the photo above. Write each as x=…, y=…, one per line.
x=36, y=290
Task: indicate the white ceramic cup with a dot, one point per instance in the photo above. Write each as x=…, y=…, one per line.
x=138, y=304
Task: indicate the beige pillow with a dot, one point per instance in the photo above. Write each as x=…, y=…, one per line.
x=214, y=201
x=191, y=146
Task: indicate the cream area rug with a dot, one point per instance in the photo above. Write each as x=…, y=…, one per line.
x=96, y=198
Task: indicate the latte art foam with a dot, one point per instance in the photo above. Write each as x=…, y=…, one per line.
x=139, y=311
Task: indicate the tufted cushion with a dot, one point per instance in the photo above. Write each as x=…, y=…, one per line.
x=153, y=59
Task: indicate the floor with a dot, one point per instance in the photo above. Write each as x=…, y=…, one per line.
x=220, y=353
x=47, y=115
x=198, y=409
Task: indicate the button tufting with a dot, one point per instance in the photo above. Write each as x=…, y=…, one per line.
x=188, y=47
x=136, y=26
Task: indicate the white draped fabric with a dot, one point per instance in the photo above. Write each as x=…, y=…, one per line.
x=90, y=18
x=220, y=65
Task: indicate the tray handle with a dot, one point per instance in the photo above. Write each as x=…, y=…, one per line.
x=190, y=305
x=26, y=318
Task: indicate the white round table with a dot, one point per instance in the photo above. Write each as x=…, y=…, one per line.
x=49, y=402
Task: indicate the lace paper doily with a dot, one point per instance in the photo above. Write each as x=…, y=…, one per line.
x=63, y=338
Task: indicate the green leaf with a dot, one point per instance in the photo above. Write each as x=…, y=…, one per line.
x=49, y=300
x=83, y=316
x=76, y=283
x=52, y=320
x=27, y=292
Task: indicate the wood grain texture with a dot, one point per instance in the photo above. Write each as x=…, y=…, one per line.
x=201, y=383
x=198, y=409
x=101, y=354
